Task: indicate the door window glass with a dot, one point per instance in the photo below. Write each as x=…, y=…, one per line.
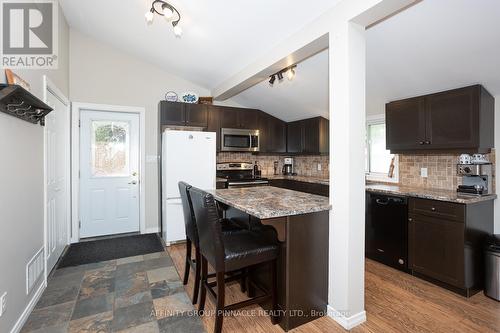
x=110, y=148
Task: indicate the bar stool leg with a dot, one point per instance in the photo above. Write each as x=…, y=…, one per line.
x=197, y=275
x=274, y=292
x=219, y=312
x=243, y=281
x=203, y=291
x=188, y=258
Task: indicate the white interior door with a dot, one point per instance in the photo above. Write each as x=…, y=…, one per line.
x=57, y=174
x=109, y=173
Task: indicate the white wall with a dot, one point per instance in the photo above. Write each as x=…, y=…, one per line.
x=104, y=75
x=21, y=190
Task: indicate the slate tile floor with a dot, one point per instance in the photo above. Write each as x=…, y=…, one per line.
x=135, y=294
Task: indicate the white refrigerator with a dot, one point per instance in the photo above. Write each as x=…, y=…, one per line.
x=190, y=157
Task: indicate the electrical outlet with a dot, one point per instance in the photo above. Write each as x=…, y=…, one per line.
x=423, y=172
x=3, y=303
x=319, y=166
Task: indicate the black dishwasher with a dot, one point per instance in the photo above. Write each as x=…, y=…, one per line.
x=387, y=230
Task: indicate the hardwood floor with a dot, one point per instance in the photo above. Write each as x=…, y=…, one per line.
x=394, y=302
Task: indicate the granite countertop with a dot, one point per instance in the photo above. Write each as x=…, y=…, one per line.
x=307, y=179
x=426, y=193
x=266, y=202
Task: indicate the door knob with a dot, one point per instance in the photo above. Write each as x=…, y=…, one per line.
x=133, y=182
x=134, y=174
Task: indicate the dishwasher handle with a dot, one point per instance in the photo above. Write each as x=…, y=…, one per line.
x=381, y=202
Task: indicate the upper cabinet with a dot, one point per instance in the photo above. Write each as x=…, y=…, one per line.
x=459, y=119
x=183, y=114
x=238, y=118
x=272, y=134
x=308, y=136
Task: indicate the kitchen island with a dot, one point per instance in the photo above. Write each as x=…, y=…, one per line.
x=301, y=223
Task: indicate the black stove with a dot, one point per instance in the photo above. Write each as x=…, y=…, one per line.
x=240, y=174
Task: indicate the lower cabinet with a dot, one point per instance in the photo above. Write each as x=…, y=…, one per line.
x=312, y=188
x=445, y=242
x=436, y=249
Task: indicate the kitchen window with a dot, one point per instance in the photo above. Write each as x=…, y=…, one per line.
x=378, y=158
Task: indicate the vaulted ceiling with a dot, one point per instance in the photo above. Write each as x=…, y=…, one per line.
x=434, y=45
x=220, y=37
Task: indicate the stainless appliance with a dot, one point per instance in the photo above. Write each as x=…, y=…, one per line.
x=287, y=166
x=476, y=179
x=233, y=139
x=492, y=268
x=386, y=233
x=240, y=174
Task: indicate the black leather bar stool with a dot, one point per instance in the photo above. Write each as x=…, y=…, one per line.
x=192, y=238
x=230, y=253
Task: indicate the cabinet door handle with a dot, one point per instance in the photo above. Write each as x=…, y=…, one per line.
x=433, y=209
x=410, y=219
x=421, y=142
x=427, y=142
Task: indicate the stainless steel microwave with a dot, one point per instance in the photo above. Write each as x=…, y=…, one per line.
x=233, y=139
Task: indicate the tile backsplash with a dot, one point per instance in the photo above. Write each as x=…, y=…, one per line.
x=303, y=165
x=441, y=170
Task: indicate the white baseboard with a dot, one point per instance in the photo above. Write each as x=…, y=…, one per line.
x=151, y=230
x=346, y=322
x=27, y=311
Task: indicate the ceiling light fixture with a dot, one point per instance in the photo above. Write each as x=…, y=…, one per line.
x=169, y=12
x=289, y=71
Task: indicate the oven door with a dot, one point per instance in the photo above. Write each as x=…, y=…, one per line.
x=239, y=140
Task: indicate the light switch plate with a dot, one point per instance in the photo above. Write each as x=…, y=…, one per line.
x=423, y=172
x=3, y=303
x=319, y=166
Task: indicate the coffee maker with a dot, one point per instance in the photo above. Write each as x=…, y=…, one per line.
x=476, y=179
x=288, y=166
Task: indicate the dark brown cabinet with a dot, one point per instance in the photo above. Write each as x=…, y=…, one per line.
x=459, y=119
x=436, y=249
x=272, y=134
x=183, y=114
x=445, y=242
x=291, y=184
x=238, y=118
x=213, y=124
x=308, y=136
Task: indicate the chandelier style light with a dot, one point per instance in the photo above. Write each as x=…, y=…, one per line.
x=169, y=12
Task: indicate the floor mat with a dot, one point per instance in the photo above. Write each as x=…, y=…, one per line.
x=108, y=249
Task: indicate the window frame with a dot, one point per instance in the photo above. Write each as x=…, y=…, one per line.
x=378, y=176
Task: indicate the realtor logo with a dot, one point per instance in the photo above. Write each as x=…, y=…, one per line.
x=29, y=34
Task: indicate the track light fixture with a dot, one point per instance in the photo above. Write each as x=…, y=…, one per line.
x=290, y=74
x=169, y=12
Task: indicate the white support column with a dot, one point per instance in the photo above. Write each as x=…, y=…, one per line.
x=496, y=214
x=347, y=179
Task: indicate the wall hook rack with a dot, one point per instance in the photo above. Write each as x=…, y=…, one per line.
x=18, y=102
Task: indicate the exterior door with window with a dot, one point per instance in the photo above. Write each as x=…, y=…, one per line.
x=109, y=173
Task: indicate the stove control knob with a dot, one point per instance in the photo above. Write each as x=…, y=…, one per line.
x=467, y=169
